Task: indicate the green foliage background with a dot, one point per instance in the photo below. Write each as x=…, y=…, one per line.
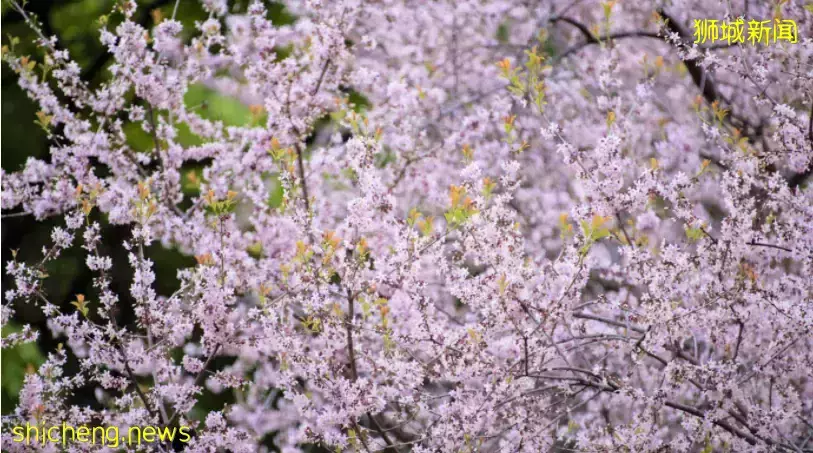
x=75, y=23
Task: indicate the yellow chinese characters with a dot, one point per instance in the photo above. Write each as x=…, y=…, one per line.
x=734, y=31
x=706, y=30
x=785, y=30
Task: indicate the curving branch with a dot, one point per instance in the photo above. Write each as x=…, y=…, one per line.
x=700, y=77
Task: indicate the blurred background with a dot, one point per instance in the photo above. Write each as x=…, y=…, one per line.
x=76, y=24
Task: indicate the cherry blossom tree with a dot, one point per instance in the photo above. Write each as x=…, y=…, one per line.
x=449, y=226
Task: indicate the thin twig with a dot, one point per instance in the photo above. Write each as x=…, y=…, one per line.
x=198, y=380
x=16, y=214
x=132, y=378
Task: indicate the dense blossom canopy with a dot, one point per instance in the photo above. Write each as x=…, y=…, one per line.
x=450, y=226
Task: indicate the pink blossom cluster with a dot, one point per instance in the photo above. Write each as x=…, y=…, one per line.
x=553, y=226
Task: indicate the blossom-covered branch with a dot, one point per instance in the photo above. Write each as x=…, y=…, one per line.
x=442, y=226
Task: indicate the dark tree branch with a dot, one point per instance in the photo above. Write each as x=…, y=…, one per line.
x=377, y=427
x=132, y=378
x=699, y=75
x=198, y=379
x=722, y=424
x=761, y=244
x=613, y=388
x=612, y=36
x=611, y=322
x=799, y=178
x=582, y=28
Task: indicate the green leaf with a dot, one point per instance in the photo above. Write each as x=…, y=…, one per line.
x=214, y=106
x=694, y=234
x=275, y=194
x=13, y=364
x=595, y=229
x=384, y=158
x=191, y=180
x=255, y=250
x=358, y=101
x=503, y=32
x=708, y=448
